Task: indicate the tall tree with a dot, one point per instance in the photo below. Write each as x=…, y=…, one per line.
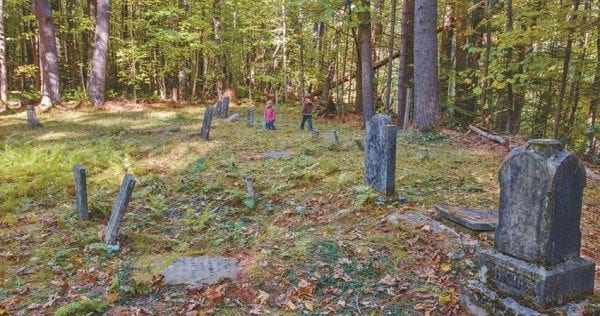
x=405, y=69
x=427, y=109
x=97, y=79
x=366, y=61
x=388, y=88
x=3, y=79
x=48, y=53
x=565, y=73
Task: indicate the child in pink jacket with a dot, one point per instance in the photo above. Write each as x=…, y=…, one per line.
x=270, y=115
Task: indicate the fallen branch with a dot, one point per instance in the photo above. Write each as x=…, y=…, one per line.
x=489, y=135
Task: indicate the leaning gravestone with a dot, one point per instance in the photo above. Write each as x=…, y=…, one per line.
x=536, y=256
x=333, y=137
x=250, y=118
x=205, y=129
x=380, y=154
x=32, y=121
x=225, y=108
x=118, y=211
x=81, y=201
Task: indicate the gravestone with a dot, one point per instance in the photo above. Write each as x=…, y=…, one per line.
x=478, y=220
x=118, y=211
x=233, y=118
x=315, y=134
x=380, y=154
x=333, y=137
x=225, y=108
x=536, y=255
x=205, y=129
x=250, y=118
x=195, y=271
x=219, y=108
x=81, y=201
x=32, y=121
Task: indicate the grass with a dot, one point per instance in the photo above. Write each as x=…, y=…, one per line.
x=312, y=218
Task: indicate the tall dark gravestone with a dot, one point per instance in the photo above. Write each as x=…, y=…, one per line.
x=250, y=118
x=536, y=256
x=206, y=122
x=118, y=211
x=225, y=108
x=380, y=154
x=81, y=202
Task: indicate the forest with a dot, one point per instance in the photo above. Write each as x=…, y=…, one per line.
x=154, y=158
x=528, y=67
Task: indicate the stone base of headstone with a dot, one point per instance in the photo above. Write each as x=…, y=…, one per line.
x=479, y=220
x=479, y=299
x=504, y=277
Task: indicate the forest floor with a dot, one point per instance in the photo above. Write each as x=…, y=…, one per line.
x=315, y=240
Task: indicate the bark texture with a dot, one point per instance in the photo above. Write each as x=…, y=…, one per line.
x=48, y=52
x=97, y=80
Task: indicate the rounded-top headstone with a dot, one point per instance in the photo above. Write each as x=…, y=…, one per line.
x=541, y=189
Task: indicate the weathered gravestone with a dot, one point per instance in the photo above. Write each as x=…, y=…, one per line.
x=32, y=121
x=380, y=154
x=118, y=211
x=233, y=118
x=333, y=137
x=194, y=271
x=479, y=220
x=315, y=134
x=536, y=256
x=81, y=201
x=219, y=108
x=250, y=118
x=225, y=109
x=205, y=129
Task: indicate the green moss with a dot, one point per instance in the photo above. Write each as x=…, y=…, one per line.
x=82, y=307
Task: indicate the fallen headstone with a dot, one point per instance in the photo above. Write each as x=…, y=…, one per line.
x=81, y=202
x=537, y=243
x=380, y=154
x=479, y=220
x=233, y=118
x=118, y=211
x=195, y=271
x=269, y=155
x=206, y=122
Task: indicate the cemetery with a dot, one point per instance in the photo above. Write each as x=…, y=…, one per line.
x=299, y=157
x=216, y=216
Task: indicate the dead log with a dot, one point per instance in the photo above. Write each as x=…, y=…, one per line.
x=489, y=135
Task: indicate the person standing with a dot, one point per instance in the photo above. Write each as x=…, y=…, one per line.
x=269, y=116
x=307, y=113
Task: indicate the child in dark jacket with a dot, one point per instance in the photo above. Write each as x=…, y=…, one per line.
x=307, y=106
x=270, y=115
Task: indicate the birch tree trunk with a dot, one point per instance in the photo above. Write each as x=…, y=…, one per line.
x=48, y=53
x=427, y=111
x=97, y=80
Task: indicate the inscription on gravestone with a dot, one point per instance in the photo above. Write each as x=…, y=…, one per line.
x=118, y=211
x=200, y=270
x=206, y=122
x=536, y=256
x=380, y=154
x=81, y=201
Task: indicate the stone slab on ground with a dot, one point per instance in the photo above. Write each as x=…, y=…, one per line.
x=200, y=270
x=479, y=220
x=480, y=300
x=233, y=118
x=269, y=155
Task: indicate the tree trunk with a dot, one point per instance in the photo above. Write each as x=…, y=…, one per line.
x=427, y=110
x=284, y=52
x=405, y=70
x=97, y=80
x=564, y=78
x=388, y=82
x=464, y=105
x=48, y=53
x=364, y=38
x=446, y=55
x=595, y=97
x=3, y=77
